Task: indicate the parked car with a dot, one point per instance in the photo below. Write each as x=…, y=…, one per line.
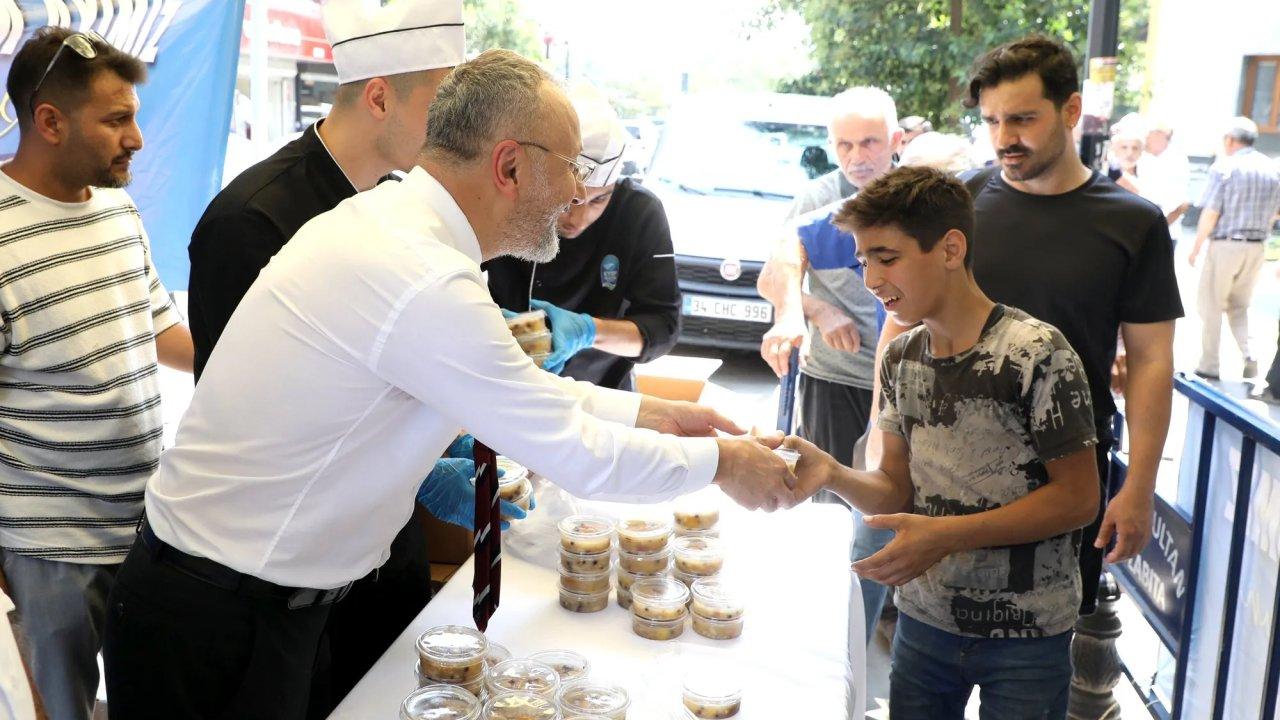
x=726, y=168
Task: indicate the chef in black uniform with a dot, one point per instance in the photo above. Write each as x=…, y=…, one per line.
x=389, y=62
x=610, y=294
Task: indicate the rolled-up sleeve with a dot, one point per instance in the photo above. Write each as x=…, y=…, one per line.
x=654, y=294
x=448, y=346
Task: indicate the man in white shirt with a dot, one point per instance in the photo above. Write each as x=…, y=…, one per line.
x=352, y=362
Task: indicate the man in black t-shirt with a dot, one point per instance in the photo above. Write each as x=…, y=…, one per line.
x=610, y=294
x=1069, y=247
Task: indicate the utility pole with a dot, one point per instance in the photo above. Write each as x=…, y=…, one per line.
x=1099, y=89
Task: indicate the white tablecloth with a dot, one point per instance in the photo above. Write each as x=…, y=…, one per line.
x=801, y=654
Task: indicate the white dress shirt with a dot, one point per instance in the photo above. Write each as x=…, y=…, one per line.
x=1164, y=179
x=361, y=351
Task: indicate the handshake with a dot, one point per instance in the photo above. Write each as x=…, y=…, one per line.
x=771, y=471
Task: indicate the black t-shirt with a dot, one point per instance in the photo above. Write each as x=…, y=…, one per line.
x=621, y=267
x=1083, y=261
x=247, y=224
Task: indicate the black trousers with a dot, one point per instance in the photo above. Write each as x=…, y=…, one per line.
x=373, y=614
x=178, y=647
x=1091, y=557
x=833, y=416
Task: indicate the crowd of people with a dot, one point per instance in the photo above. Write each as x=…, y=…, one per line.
x=958, y=329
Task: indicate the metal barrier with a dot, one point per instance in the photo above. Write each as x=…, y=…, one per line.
x=1167, y=580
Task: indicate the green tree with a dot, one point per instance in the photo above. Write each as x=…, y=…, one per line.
x=920, y=51
x=500, y=24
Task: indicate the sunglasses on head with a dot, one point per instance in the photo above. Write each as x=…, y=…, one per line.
x=82, y=44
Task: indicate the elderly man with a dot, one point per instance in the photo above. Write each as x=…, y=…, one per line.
x=1167, y=167
x=1238, y=208
x=837, y=373
x=353, y=361
x=389, y=62
x=610, y=294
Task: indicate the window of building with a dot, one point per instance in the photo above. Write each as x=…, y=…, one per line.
x=1262, y=91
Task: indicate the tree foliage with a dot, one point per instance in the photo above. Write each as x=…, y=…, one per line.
x=500, y=24
x=920, y=51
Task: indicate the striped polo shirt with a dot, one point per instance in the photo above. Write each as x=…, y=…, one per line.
x=80, y=421
x=1245, y=188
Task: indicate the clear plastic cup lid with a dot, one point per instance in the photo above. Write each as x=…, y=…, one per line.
x=496, y=653
x=712, y=685
x=660, y=591
x=645, y=527
x=452, y=644
x=440, y=702
x=697, y=546
x=520, y=706
x=526, y=318
x=787, y=454
x=512, y=471
x=526, y=675
x=586, y=526
x=585, y=576
x=715, y=592
x=656, y=554
x=568, y=664
x=593, y=697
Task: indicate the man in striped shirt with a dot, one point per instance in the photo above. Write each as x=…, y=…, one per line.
x=84, y=320
x=1238, y=208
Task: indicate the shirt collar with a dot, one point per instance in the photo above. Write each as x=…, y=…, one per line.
x=457, y=230
x=315, y=129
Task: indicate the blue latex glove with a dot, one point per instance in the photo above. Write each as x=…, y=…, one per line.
x=463, y=447
x=448, y=494
x=571, y=333
x=508, y=314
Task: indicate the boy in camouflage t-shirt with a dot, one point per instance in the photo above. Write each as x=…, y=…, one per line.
x=988, y=469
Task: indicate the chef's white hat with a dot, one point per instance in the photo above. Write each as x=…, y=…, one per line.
x=372, y=38
x=603, y=137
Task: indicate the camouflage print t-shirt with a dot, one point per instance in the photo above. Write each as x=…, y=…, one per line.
x=980, y=427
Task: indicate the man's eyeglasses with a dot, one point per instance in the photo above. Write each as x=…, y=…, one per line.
x=581, y=170
x=82, y=43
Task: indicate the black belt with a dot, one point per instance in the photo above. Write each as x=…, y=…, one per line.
x=1239, y=238
x=221, y=576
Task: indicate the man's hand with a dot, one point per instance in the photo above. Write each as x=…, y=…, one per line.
x=1128, y=521
x=1120, y=372
x=753, y=475
x=683, y=418
x=838, y=330
x=814, y=469
x=788, y=333
x=920, y=542
x=1191, y=256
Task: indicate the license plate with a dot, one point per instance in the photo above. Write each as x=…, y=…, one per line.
x=718, y=307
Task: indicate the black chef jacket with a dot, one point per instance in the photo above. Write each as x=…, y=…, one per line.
x=247, y=224
x=609, y=271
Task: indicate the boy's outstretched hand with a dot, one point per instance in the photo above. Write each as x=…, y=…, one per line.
x=921, y=541
x=814, y=469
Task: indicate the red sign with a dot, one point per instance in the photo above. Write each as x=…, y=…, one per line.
x=294, y=31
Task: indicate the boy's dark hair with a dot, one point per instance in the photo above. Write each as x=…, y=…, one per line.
x=920, y=201
x=69, y=79
x=1044, y=56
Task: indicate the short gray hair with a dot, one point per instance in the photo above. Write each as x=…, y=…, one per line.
x=497, y=92
x=866, y=101
x=1243, y=130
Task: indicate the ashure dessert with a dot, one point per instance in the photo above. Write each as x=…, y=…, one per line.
x=586, y=534
x=441, y=702
x=643, y=535
x=452, y=654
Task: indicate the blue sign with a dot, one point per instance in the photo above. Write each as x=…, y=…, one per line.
x=191, y=48
x=1158, y=575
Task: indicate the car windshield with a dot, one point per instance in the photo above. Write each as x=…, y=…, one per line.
x=727, y=155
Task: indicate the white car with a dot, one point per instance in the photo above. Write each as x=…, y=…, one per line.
x=726, y=169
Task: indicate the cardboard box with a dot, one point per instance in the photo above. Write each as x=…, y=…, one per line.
x=674, y=377
x=446, y=543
